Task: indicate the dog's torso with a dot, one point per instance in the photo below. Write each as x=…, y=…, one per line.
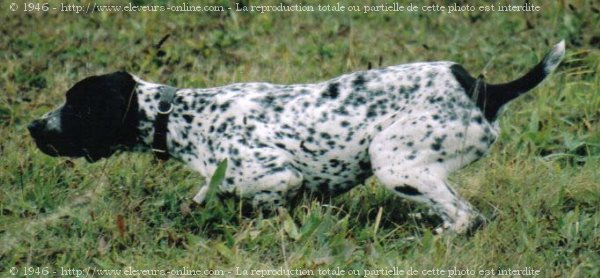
x=322, y=131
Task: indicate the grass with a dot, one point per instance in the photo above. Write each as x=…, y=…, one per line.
x=540, y=182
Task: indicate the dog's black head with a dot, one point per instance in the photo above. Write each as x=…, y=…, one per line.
x=98, y=117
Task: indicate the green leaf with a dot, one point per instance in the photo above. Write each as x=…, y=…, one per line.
x=310, y=226
x=290, y=228
x=216, y=180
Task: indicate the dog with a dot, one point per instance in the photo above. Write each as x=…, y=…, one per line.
x=408, y=125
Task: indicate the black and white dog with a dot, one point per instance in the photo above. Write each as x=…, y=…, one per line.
x=409, y=125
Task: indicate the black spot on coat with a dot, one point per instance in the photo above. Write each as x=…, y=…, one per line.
x=408, y=190
x=332, y=91
x=188, y=118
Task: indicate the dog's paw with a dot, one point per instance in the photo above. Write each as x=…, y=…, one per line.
x=476, y=222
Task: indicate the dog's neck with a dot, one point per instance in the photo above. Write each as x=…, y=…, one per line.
x=147, y=95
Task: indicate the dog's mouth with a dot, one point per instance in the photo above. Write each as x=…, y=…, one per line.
x=43, y=143
x=52, y=149
x=48, y=149
x=59, y=145
x=53, y=145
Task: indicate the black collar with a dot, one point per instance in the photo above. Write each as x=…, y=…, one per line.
x=165, y=107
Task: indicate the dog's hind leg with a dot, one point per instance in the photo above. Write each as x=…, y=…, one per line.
x=422, y=186
x=414, y=162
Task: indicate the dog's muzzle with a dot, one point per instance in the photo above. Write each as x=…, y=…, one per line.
x=43, y=137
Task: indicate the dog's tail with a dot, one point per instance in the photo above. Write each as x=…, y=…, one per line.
x=491, y=97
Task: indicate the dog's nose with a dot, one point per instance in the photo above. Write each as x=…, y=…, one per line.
x=36, y=126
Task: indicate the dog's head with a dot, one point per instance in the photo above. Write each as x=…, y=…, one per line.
x=98, y=117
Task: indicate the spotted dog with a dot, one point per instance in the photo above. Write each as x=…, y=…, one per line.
x=409, y=125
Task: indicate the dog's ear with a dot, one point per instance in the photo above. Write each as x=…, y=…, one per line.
x=107, y=108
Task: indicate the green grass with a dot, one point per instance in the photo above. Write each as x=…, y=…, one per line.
x=540, y=183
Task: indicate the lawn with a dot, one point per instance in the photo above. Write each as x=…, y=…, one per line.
x=539, y=185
